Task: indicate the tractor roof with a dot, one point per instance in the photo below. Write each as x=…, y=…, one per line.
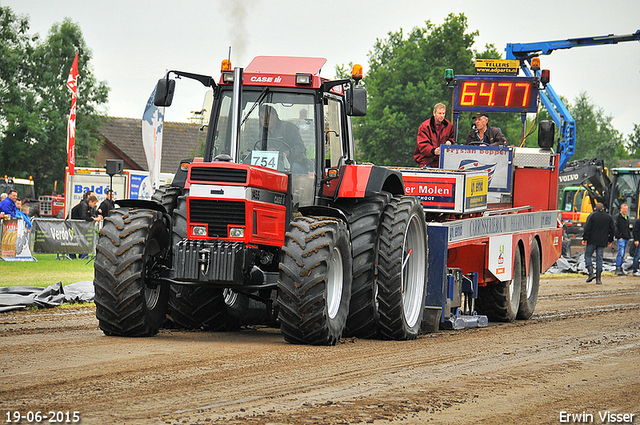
x=282, y=70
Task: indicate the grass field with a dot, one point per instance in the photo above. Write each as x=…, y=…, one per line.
x=44, y=272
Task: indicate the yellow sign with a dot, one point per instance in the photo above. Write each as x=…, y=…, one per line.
x=497, y=66
x=476, y=193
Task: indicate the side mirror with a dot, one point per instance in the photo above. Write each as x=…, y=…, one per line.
x=357, y=96
x=164, y=92
x=546, y=133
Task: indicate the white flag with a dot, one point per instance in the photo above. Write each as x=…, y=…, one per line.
x=152, y=127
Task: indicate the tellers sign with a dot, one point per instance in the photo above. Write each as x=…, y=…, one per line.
x=498, y=94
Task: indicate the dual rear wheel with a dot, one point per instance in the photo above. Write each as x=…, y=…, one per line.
x=517, y=298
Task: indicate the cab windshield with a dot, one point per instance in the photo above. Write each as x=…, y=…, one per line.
x=277, y=130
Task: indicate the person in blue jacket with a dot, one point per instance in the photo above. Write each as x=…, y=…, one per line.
x=22, y=211
x=8, y=206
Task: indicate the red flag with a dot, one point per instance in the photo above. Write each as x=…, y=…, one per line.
x=72, y=83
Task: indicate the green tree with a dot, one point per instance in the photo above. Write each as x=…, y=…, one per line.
x=633, y=144
x=34, y=117
x=405, y=80
x=595, y=136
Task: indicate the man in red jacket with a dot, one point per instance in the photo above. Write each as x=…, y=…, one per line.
x=432, y=133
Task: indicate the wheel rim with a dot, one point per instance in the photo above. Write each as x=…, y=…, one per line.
x=529, y=285
x=151, y=256
x=151, y=296
x=413, y=271
x=334, y=283
x=230, y=296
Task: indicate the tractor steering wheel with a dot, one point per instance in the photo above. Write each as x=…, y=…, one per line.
x=276, y=144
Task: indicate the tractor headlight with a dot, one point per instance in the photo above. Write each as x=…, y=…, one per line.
x=236, y=232
x=199, y=231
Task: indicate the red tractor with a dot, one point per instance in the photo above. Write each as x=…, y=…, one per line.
x=276, y=213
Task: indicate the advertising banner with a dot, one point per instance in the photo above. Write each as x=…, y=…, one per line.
x=15, y=241
x=64, y=236
x=495, y=160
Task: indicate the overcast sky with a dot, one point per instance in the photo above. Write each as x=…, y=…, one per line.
x=135, y=42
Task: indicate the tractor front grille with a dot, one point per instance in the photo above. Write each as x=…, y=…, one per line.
x=218, y=175
x=217, y=214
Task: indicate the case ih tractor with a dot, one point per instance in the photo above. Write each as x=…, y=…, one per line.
x=277, y=213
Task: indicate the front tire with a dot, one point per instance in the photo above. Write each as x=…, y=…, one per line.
x=133, y=248
x=315, y=281
x=402, y=268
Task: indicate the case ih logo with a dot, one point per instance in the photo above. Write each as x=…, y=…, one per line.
x=265, y=79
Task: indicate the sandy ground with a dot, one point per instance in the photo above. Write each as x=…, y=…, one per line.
x=578, y=355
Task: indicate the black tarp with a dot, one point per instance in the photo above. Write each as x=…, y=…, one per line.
x=21, y=297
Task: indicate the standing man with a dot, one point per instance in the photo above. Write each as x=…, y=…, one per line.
x=432, y=133
x=598, y=234
x=636, y=241
x=623, y=234
x=106, y=205
x=483, y=135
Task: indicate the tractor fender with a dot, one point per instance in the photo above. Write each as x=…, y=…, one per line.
x=141, y=203
x=323, y=210
x=361, y=181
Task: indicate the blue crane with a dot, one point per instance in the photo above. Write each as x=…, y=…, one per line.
x=524, y=52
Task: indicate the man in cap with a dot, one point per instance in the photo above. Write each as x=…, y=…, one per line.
x=483, y=135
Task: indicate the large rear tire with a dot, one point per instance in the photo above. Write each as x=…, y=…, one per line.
x=315, y=281
x=402, y=268
x=133, y=247
x=364, y=226
x=529, y=291
x=500, y=301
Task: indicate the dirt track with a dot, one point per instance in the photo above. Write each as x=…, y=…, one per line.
x=580, y=353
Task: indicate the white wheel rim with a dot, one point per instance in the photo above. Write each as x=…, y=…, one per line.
x=334, y=283
x=413, y=271
x=151, y=296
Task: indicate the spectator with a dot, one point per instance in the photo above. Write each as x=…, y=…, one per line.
x=483, y=135
x=636, y=240
x=83, y=211
x=22, y=211
x=598, y=234
x=623, y=234
x=432, y=133
x=107, y=205
x=8, y=205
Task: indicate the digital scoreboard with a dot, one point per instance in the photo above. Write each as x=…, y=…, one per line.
x=495, y=94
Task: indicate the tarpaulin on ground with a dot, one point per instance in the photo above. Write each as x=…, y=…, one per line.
x=575, y=264
x=21, y=297
x=55, y=236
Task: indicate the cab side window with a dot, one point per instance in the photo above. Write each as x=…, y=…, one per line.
x=332, y=133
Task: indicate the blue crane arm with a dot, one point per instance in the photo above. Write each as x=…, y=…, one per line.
x=551, y=101
x=529, y=50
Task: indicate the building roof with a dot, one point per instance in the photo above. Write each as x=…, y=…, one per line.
x=179, y=141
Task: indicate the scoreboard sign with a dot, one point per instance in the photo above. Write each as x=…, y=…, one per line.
x=495, y=94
